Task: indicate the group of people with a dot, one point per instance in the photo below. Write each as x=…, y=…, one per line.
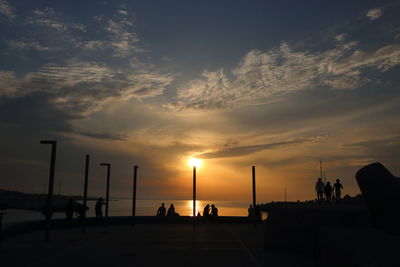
x=213, y=211
x=331, y=193
x=162, y=211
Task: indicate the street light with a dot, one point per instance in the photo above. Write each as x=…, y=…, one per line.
x=48, y=209
x=195, y=163
x=85, y=188
x=134, y=193
x=108, y=184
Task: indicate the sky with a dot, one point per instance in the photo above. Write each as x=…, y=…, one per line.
x=280, y=85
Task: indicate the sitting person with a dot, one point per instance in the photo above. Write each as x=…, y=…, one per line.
x=214, y=211
x=161, y=210
x=171, y=211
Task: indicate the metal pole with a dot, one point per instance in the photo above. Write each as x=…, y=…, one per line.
x=134, y=191
x=48, y=209
x=320, y=168
x=85, y=188
x=194, y=192
x=254, y=186
x=108, y=185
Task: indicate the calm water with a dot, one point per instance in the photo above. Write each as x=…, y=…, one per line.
x=143, y=208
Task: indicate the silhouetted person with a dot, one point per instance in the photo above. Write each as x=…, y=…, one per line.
x=206, y=210
x=319, y=188
x=257, y=213
x=161, y=210
x=69, y=212
x=214, y=211
x=171, y=211
x=99, y=208
x=328, y=192
x=337, y=187
x=251, y=211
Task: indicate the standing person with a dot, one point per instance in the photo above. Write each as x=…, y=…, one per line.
x=319, y=188
x=250, y=211
x=338, y=190
x=98, y=208
x=328, y=192
x=161, y=210
x=69, y=212
x=214, y=211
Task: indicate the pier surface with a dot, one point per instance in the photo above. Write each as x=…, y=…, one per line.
x=148, y=245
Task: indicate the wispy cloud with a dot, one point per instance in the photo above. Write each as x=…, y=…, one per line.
x=235, y=150
x=49, y=18
x=27, y=45
x=6, y=9
x=103, y=135
x=374, y=14
x=282, y=70
x=81, y=86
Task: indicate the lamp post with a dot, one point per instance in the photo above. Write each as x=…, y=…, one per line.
x=194, y=192
x=108, y=185
x=85, y=188
x=253, y=169
x=48, y=209
x=134, y=193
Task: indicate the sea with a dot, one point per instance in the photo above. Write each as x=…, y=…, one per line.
x=123, y=207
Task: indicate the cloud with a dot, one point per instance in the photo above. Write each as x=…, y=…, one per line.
x=81, y=86
x=262, y=76
x=234, y=150
x=27, y=45
x=6, y=9
x=49, y=18
x=104, y=135
x=340, y=37
x=374, y=14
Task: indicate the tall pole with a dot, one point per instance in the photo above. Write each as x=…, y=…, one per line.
x=48, y=209
x=194, y=192
x=85, y=188
x=320, y=169
x=108, y=185
x=134, y=191
x=254, y=186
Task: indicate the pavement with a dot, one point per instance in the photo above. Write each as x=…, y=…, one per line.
x=148, y=245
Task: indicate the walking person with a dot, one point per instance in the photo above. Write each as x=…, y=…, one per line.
x=328, y=192
x=319, y=188
x=99, y=209
x=337, y=187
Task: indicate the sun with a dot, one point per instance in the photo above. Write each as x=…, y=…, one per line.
x=193, y=162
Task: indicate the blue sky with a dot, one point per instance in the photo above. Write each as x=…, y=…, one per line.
x=237, y=83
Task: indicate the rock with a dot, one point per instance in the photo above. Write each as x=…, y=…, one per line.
x=381, y=191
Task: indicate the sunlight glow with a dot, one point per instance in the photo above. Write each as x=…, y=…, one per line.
x=193, y=162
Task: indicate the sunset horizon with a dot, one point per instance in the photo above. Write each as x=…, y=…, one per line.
x=281, y=86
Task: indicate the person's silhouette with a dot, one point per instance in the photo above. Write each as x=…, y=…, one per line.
x=161, y=210
x=319, y=188
x=206, y=210
x=214, y=211
x=171, y=211
x=337, y=187
x=69, y=212
x=251, y=211
x=328, y=192
x=98, y=208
